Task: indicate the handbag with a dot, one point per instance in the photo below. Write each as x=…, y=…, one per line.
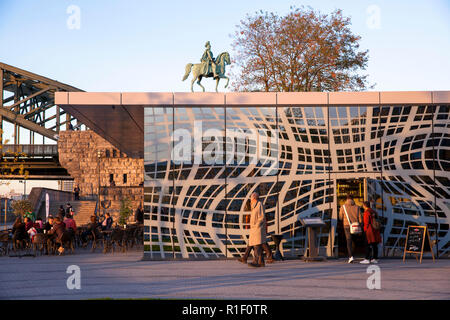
x=355, y=228
x=376, y=223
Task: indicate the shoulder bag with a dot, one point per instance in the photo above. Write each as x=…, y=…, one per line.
x=355, y=228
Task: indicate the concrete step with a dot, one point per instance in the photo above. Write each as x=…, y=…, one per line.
x=82, y=210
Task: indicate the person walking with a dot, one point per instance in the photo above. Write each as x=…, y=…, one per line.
x=248, y=250
x=257, y=230
x=265, y=249
x=373, y=236
x=350, y=215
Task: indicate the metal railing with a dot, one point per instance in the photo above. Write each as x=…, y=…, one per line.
x=31, y=150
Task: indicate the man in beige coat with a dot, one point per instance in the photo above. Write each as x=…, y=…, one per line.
x=354, y=215
x=257, y=230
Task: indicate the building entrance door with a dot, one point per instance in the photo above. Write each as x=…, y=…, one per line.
x=356, y=188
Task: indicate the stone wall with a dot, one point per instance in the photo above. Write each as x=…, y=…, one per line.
x=37, y=199
x=110, y=199
x=78, y=153
x=37, y=195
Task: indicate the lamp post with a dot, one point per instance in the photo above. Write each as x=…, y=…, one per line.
x=6, y=210
x=24, y=188
x=99, y=155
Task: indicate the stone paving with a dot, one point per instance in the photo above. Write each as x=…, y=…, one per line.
x=123, y=275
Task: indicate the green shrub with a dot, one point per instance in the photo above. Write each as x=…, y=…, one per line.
x=125, y=211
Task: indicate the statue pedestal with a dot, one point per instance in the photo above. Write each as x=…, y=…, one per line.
x=312, y=252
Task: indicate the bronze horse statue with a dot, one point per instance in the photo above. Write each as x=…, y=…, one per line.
x=199, y=72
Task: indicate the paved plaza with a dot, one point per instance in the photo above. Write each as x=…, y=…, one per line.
x=123, y=275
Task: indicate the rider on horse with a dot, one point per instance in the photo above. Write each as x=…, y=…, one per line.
x=208, y=67
x=208, y=58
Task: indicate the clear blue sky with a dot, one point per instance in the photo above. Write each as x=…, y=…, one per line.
x=144, y=45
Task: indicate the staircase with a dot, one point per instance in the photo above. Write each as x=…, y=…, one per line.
x=82, y=210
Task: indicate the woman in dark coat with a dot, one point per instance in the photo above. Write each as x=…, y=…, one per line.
x=373, y=236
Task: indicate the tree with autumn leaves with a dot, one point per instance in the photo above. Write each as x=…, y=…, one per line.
x=11, y=162
x=301, y=51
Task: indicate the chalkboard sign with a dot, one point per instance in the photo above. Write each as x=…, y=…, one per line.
x=417, y=240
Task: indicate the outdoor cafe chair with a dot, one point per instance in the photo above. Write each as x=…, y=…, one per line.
x=4, y=243
x=20, y=244
x=118, y=238
x=97, y=236
x=39, y=243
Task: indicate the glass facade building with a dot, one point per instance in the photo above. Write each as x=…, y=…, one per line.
x=206, y=153
x=396, y=156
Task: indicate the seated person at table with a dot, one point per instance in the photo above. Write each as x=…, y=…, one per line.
x=32, y=232
x=18, y=230
x=28, y=223
x=49, y=224
x=58, y=229
x=61, y=211
x=38, y=224
x=92, y=227
x=107, y=222
x=70, y=223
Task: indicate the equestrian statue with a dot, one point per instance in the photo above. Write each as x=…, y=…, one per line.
x=208, y=68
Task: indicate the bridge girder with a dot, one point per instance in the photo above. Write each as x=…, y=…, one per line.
x=28, y=101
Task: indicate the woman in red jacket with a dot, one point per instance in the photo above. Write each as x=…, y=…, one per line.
x=373, y=236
